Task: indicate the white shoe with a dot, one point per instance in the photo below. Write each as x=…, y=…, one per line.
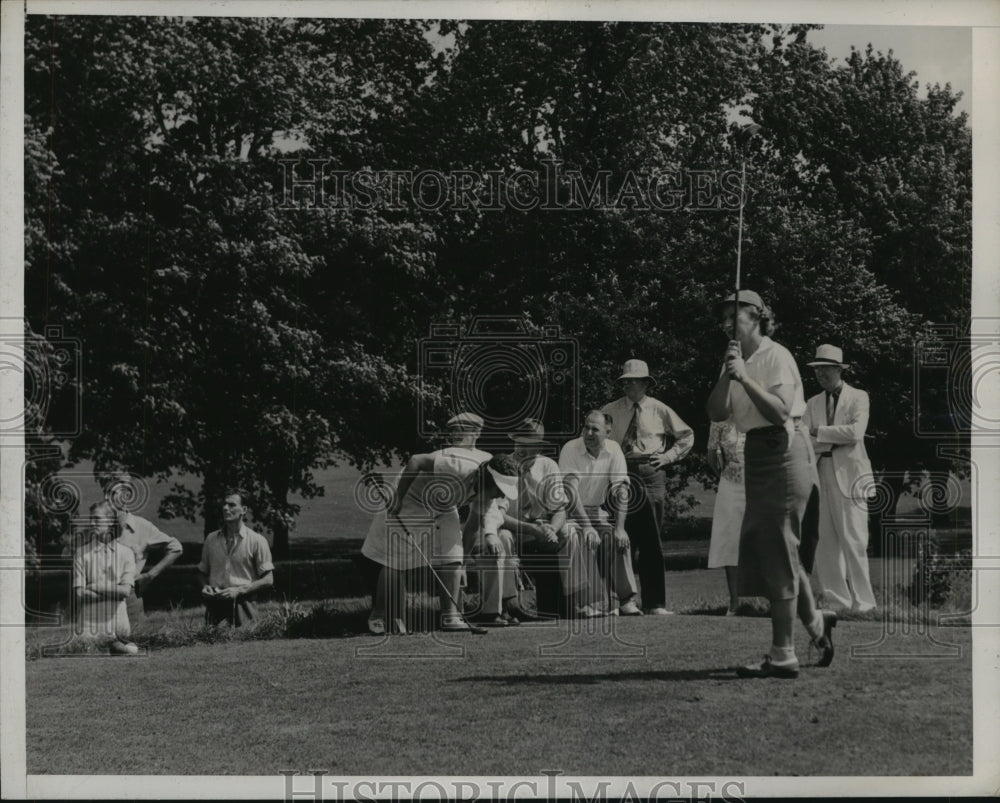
x=629, y=609
x=732, y=612
x=376, y=626
x=659, y=611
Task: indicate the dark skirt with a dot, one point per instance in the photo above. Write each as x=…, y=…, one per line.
x=779, y=531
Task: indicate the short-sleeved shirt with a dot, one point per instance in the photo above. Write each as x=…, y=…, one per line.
x=659, y=429
x=99, y=562
x=540, y=492
x=140, y=535
x=771, y=366
x=248, y=560
x=597, y=474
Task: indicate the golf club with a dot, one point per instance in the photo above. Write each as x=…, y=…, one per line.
x=376, y=480
x=746, y=133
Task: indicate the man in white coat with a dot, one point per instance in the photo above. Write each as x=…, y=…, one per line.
x=837, y=419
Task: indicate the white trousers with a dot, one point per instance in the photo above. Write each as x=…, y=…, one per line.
x=841, y=568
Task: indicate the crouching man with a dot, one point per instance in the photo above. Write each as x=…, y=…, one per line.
x=235, y=566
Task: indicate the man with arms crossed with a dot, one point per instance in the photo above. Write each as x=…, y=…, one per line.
x=837, y=419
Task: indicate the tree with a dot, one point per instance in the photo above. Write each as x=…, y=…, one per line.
x=192, y=290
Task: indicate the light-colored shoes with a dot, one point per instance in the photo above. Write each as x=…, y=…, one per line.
x=629, y=609
x=587, y=612
x=376, y=625
x=659, y=611
x=123, y=648
x=732, y=612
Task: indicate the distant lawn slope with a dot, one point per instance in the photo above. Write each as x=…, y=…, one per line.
x=336, y=516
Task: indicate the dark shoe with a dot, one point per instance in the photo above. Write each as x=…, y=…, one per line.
x=766, y=669
x=825, y=642
x=515, y=611
x=487, y=620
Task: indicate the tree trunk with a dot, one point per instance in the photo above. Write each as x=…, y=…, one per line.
x=281, y=548
x=878, y=516
x=212, y=488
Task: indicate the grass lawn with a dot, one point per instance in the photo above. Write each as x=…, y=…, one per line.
x=656, y=697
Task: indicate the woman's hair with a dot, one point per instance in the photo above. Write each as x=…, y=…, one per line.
x=504, y=464
x=763, y=316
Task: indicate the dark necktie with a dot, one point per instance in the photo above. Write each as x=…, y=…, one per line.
x=631, y=434
x=831, y=405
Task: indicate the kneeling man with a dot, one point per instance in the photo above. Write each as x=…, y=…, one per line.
x=235, y=565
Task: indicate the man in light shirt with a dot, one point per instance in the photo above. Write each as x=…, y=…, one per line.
x=103, y=576
x=537, y=523
x=595, y=474
x=141, y=536
x=235, y=565
x=652, y=436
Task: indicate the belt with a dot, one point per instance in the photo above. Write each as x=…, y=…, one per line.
x=796, y=423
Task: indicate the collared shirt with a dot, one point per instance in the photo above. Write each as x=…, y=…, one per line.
x=246, y=559
x=659, y=431
x=771, y=366
x=140, y=535
x=99, y=562
x=445, y=488
x=540, y=492
x=597, y=474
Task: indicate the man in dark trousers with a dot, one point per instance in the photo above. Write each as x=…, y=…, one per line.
x=652, y=436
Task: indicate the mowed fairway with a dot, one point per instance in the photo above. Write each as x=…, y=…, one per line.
x=463, y=705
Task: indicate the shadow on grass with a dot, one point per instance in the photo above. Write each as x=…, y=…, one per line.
x=718, y=673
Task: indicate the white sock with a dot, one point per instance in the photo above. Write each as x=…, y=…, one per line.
x=781, y=656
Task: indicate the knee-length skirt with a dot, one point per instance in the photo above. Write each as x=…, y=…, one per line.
x=778, y=534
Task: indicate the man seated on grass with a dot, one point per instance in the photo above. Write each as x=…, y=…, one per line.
x=235, y=565
x=141, y=536
x=595, y=473
x=103, y=577
x=536, y=523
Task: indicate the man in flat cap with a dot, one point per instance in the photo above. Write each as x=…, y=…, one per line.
x=652, y=436
x=837, y=419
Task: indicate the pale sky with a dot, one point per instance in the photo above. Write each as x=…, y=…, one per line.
x=937, y=55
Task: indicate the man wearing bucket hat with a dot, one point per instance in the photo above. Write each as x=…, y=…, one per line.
x=837, y=419
x=652, y=436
